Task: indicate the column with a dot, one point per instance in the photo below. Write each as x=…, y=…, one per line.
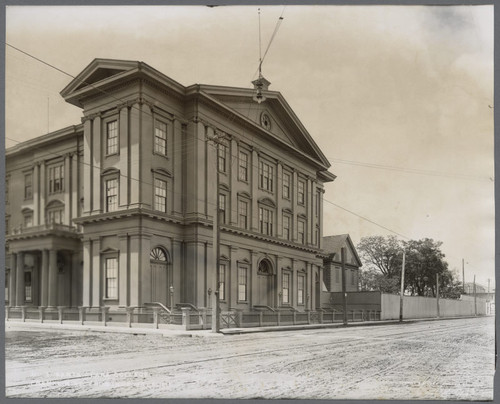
x=74, y=188
x=134, y=155
x=255, y=186
x=36, y=194
x=75, y=279
x=309, y=206
x=41, y=212
x=177, y=271
x=96, y=165
x=67, y=190
x=320, y=218
x=20, y=279
x=123, y=277
x=12, y=280
x=294, y=205
x=96, y=273
x=87, y=273
x=52, y=278
x=176, y=153
x=87, y=166
x=253, y=286
x=279, y=196
x=146, y=143
x=233, y=165
x=123, y=164
x=309, y=286
x=45, y=279
x=279, y=280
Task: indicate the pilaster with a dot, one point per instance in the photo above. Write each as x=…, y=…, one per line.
x=52, y=279
x=96, y=165
x=20, y=279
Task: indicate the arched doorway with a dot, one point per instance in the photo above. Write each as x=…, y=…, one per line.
x=264, y=295
x=161, y=276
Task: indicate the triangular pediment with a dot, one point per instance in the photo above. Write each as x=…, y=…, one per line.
x=96, y=73
x=274, y=116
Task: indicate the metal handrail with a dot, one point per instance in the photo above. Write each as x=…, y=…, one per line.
x=161, y=305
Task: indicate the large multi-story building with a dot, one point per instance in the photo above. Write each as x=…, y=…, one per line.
x=119, y=210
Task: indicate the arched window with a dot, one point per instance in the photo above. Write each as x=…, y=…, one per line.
x=158, y=254
x=265, y=267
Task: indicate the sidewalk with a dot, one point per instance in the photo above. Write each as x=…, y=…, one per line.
x=13, y=325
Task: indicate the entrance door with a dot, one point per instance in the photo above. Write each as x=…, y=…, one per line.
x=265, y=290
x=161, y=279
x=159, y=282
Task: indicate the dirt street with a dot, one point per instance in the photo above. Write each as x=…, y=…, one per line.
x=446, y=359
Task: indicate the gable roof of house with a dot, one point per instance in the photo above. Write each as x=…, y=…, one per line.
x=332, y=246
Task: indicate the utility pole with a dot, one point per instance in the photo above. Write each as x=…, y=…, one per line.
x=401, y=294
x=216, y=139
x=344, y=293
x=475, y=298
x=437, y=294
x=463, y=275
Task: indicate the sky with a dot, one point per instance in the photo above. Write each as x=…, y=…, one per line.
x=399, y=98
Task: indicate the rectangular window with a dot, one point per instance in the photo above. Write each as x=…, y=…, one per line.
x=243, y=167
x=266, y=221
x=300, y=192
x=353, y=277
x=222, y=281
x=286, y=185
x=242, y=284
x=28, y=186
x=56, y=179
x=221, y=157
x=160, y=195
x=337, y=275
x=160, y=138
x=7, y=286
x=266, y=176
x=300, y=231
x=222, y=208
x=27, y=287
x=28, y=220
x=111, y=195
x=243, y=213
x=55, y=216
x=300, y=289
x=112, y=137
x=111, y=271
x=285, y=289
x=286, y=227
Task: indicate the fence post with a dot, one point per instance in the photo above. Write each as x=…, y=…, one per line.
x=308, y=317
x=203, y=313
x=239, y=317
x=320, y=317
x=104, y=315
x=186, y=318
x=130, y=311
x=60, y=314
x=294, y=317
x=155, y=317
x=41, y=310
x=261, y=318
x=279, y=317
x=81, y=315
x=7, y=310
x=23, y=313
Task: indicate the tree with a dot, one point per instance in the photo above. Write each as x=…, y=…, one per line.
x=383, y=254
x=424, y=261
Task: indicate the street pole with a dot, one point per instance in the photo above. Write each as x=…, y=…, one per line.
x=475, y=298
x=463, y=275
x=216, y=236
x=344, y=294
x=437, y=294
x=401, y=294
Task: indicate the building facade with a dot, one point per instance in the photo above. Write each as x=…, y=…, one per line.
x=332, y=270
x=119, y=210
